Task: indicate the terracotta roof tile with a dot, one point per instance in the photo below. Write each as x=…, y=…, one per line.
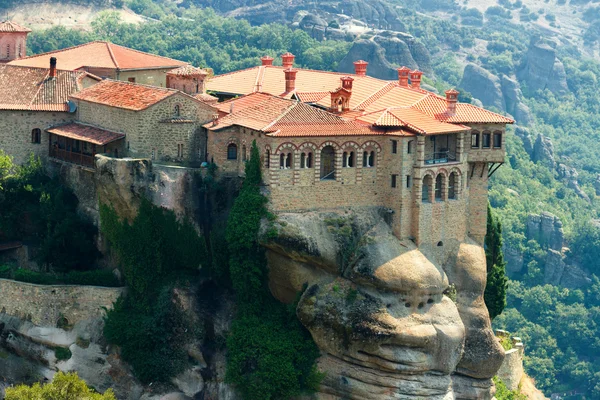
x=125, y=95
x=188, y=70
x=86, y=133
x=368, y=94
x=99, y=54
x=9, y=26
x=25, y=88
x=207, y=98
x=410, y=118
x=286, y=118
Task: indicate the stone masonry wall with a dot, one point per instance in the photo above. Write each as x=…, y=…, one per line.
x=511, y=371
x=45, y=305
x=15, y=132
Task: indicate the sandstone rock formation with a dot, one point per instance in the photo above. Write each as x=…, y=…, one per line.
x=543, y=151
x=546, y=229
x=503, y=93
x=376, y=307
x=541, y=68
x=525, y=136
x=570, y=175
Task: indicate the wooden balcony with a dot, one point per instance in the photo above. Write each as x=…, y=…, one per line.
x=74, y=157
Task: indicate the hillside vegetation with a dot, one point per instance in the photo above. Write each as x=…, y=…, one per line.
x=558, y=325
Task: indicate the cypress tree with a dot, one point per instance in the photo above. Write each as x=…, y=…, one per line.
x=497, y=283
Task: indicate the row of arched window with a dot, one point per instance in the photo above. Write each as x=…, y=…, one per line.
x=286, y=159
x=438, y=192
x=232, y=152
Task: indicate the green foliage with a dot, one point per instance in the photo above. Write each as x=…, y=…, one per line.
x=270, y=354
x=63, y=387
x=495, y=290
x=41, y=210
x=62, y=354
x=503, y=393
x=155, y=251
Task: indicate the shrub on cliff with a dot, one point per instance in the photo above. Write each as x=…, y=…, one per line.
x=63, y=387
x=155, y=252
x=270, y=354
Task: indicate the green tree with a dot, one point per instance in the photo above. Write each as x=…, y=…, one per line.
x=63, y=387
x=497, y=283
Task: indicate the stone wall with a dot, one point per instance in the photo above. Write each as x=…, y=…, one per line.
x=511, y=371
x=156, y=132
x=44, y=305
x=15, y=43
x=15, y=132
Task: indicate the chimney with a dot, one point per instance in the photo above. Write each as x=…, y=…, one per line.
x=266, y=61
x=288, y=60
x=403, y=76
x=290, y=79
x=451, y=100
x=415, y=79
x=347, y=82
x=52, y=73
x=360, y=67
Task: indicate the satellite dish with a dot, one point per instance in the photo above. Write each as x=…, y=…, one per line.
x=72, y=106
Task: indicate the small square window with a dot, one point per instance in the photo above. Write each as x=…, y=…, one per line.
x=394, y=179
x=497, y=140
x=486, y=142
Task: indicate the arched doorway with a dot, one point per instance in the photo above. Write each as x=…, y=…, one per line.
x=328, y=163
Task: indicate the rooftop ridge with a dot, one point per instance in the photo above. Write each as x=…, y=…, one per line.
x=112, y=56
x=376, y=95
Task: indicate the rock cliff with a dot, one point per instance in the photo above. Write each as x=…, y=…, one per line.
x=541, y=69
x=377, y=307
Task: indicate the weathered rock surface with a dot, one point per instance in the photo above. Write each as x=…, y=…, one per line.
x=376, y=308
x=546, y=229
x=542, y=69
x=525, y=136
x=543, y=151
x=513, y=101
x=570, y=175
x=483, y=85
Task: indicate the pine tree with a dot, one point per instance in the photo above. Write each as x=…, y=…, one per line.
x=497, y=283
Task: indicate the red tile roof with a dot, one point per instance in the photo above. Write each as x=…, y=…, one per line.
x=130, y=96
x=86, y=133
x=368, y=94
x=188, y=70
x=99, y=54
x=410, y=118
x=25, y=88
x=9, y=26
x=281, y=117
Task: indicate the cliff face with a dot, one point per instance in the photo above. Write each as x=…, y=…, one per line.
x=377, y=308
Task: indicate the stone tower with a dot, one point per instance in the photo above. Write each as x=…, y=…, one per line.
x=188, y=79
x=13, y=41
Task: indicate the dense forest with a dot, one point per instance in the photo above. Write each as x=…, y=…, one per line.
x=559, y=326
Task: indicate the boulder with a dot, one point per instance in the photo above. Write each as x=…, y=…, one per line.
x=483, y=85
x=190, y=382
x=513, y=103
x=543, y=151
x=542, y=69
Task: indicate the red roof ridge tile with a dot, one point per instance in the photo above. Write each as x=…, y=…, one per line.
x=112, y=55
x=13, y=27
x=179, y=62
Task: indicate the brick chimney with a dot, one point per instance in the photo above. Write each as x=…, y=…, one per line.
x=266, y=60
x=288, y=60
x=52, y=73
x=451, y=100
x=290, y=79
x=360, y=67
x=347, y=82
x=415, y=79
x=403, y=76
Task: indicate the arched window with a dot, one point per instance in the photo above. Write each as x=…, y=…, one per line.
x=328, y=163
x=309, y=160
x=268, y=159
x=281, y=161
x=232, y=151
x=369, y=159
x=350, y=160
x=285, y=160
x=344, y=160
x=288, y=161
x=303, y=160
x=244, y=155
x=409, y=148
x=306, y=160
x=177, y=110
x=427, y=182
x=452, y=181
x=36, y=135
x=438, y=187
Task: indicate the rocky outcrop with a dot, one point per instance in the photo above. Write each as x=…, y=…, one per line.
x=546, y=229
x=569, y=175
x=376, y=307
x=597, y=185
x=502, y=93
x=385, y=53
x=541, y=68
x=483, y=85
x=513, y=101
x=525, y=136
x=543, y=151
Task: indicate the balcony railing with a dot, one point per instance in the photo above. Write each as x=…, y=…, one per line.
x=72, y=157
x=440, y=157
